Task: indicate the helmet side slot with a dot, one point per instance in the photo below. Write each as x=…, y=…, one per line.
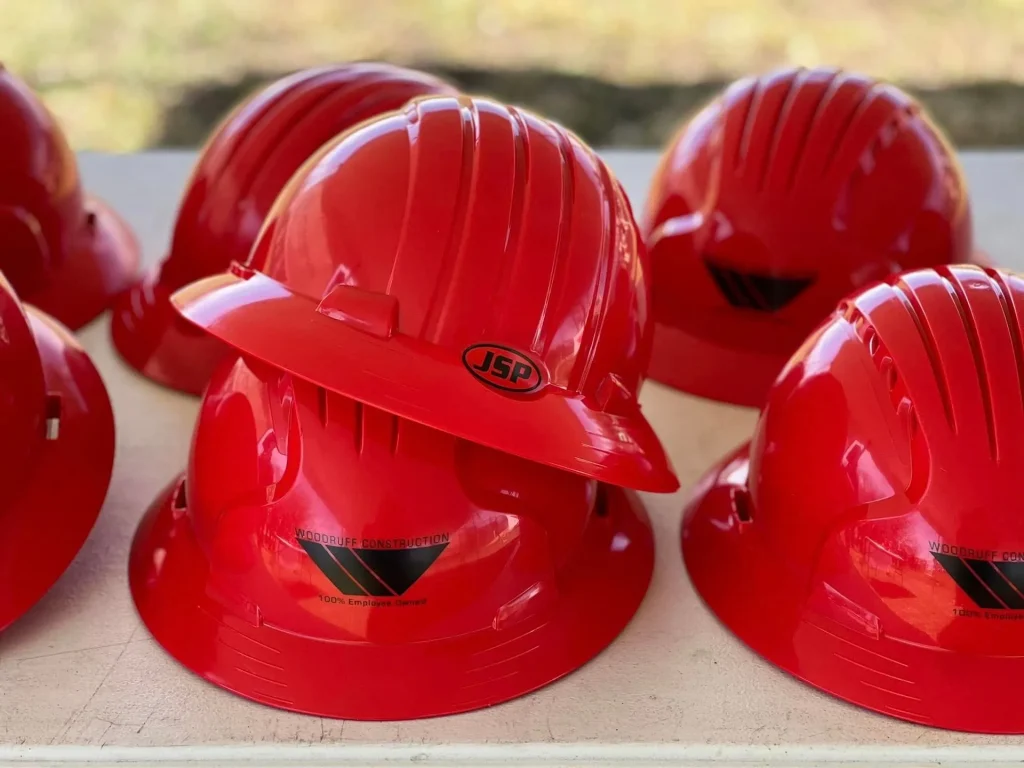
x=54, y=409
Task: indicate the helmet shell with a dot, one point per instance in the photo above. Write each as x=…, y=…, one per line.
x=494, y=251
x=339, y=545
x=241, y=170
x=57, y=451
x=62, y=251
x=872, y=520
x=785, y=194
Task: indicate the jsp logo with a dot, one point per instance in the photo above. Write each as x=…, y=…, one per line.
x=502, y=368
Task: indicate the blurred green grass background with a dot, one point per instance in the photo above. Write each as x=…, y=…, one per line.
x=118, y=73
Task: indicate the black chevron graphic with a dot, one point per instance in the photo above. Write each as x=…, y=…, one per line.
x=373, y=572
x=329, y=567
x=748, y=290
x=993, y=585
x=400, y=568
x=362, y=575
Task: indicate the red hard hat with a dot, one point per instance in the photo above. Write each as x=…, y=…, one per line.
x=782, y=196
x=327, y=557
x=57, y=455
x=467, y=266
x=869, y=540
x=63, y=251
x=242, y=169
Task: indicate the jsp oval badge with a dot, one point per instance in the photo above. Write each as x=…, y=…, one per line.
x=503, y=368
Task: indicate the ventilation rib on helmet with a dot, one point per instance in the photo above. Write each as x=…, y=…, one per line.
x=912, y=304
x=1002, y=291
x=960, y=300
x=824, y=99
x=54, y=408
x=899, y=398
x=785, y=108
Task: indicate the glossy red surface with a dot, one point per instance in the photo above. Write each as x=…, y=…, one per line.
x=66, y=253
x=869, y=539
x=56, y=456
x=783, y=195
x=419, y=242
x=327, y=557
x=240, y=172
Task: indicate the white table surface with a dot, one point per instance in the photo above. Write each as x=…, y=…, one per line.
x=81, y=680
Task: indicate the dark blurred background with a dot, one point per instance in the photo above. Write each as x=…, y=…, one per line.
x=124, y=75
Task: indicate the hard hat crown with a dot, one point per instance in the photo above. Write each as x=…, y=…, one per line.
x=41, y=203
x=64, y=252
x=914, y=388
x=868, y=540
x=241, y=170
x=261, y=143
x=465, y=265
x=472, y=223
x=785, y=194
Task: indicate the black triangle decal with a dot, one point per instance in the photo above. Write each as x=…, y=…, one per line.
x=400, y=568
x=777, y=292
x=722, y=281
x=329, y=567
x=765, y=293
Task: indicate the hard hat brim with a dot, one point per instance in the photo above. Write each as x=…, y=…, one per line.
x=700, y=367
x=45, y=524
x=597, y=595
x=811, y=632
x=94, y=273
x=265, y=320
x=157, y=342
